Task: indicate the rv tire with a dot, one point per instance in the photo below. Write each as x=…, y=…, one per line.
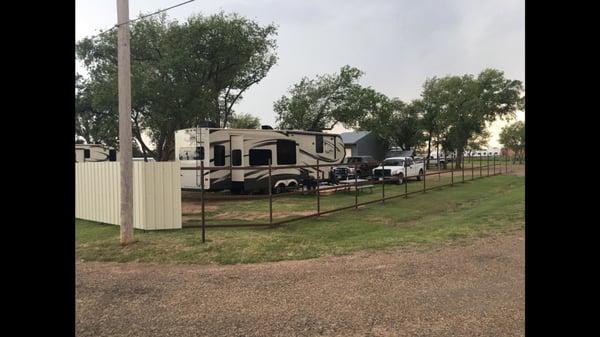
x=279, y=189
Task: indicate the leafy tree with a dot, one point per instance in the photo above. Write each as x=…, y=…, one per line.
x=319, y=104
x=93, y=125
x=407, y=126
x=479, y=142
x=244, y=121
x=374, y=111
x=462, y=105
x=431, y=122
x=392, y=121
x=513, y=137
x=181, y=74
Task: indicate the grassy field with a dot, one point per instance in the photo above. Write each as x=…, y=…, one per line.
x=257, y=210
x=448, y=215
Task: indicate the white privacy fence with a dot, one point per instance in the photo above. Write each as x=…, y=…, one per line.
x=156, y=194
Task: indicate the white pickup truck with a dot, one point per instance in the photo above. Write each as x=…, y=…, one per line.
x=401, y=168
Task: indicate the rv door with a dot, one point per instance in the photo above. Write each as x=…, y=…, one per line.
x=237, y=159
x=191, y=152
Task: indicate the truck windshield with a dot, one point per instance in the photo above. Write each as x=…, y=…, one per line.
x=393, y=162
x=352, y=160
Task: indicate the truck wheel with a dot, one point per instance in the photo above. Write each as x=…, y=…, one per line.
x=419, y=177
x=400, y=179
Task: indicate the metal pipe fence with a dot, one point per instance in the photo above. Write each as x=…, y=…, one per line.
x=348, y=186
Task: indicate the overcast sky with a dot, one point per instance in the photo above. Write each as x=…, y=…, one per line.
x=397, y=43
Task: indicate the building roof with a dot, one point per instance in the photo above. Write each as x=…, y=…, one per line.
x=353, y=137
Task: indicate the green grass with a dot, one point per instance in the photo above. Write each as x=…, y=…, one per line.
x=448, y=215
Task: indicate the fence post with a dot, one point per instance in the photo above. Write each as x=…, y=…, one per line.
x=452, y=173
x=472, y=167
x=405, y=184
x=355, y=186
x=480, y=167
x=494, y=164
x=423, y=180
x=488, y=164
x=270, y=196
x=506, y=164
x=463, y=167
x=202, y=198
x=383, y=183
x=318, y=191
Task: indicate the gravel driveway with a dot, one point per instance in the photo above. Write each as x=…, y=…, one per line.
x=475, y=290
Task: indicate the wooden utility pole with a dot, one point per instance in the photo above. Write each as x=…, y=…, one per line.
x=125, y=139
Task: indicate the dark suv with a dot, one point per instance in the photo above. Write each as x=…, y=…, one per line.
x=364, y=167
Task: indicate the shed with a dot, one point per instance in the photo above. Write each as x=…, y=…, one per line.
x=363, y=143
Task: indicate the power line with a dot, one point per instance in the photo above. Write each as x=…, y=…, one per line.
x=140, y=18
x=157, y=12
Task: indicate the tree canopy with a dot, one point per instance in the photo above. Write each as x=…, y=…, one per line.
x=513, y=137
x=321, y=103
x=244, y=121
x=181, y=74
x=458, y=108
x=453, y=111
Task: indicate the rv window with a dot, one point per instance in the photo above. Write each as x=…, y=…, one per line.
x=319, y=143
x=190, y=153
x=259, y=157
x=112, y=155
x=286, y=152
x=236, y=157
x=219, y=155
x=86, y=153
x=199, y=153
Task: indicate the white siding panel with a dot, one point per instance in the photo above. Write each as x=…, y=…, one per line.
x=156, y=193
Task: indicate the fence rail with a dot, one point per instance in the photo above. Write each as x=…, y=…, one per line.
x=495, y=167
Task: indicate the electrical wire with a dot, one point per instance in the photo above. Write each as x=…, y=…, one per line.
x=140, y=18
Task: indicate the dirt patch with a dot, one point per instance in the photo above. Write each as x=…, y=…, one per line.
x=250, y=215
x=196, y=207
x=519, y=170
x=472, y=290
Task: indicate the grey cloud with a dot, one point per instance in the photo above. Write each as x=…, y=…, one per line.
x=397, y=43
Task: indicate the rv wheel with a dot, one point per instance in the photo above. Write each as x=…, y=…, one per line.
x=279, y=189
x=420, y=175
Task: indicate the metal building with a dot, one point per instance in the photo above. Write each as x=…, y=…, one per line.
x=363, y=143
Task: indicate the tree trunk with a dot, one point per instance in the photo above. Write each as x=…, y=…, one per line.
x=144, y=148
x=428, y=152
x=437, y=153
x=168, y=148
x=521, y=157
x=459, y=157
x=217, y=110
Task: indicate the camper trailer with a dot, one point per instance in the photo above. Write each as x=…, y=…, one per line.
x=94, y=153
x=220, y=148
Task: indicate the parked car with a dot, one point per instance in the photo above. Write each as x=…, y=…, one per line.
x=400, y=167
x=442, y=161
x=364, y=167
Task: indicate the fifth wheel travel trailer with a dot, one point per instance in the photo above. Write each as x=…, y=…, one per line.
x=93, y=153
x=220, y=148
